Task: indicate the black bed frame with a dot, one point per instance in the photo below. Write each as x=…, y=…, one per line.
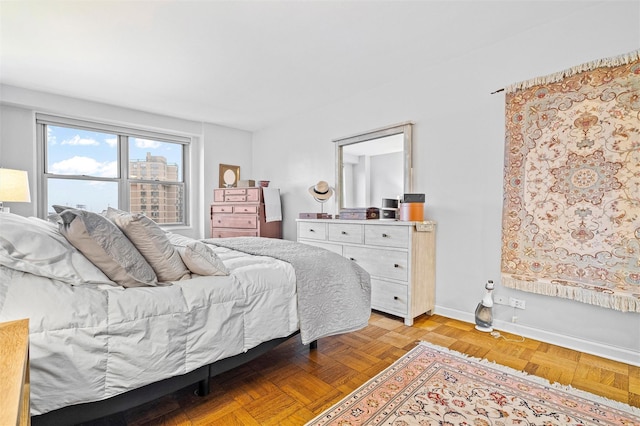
x=80, y=413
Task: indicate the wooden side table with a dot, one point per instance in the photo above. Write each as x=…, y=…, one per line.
x=14, y=373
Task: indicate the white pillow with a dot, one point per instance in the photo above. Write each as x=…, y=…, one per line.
x=179, y=240
x=107, y=247
x=37, y=247
x=201, y=260
x=198, y=257
x=152, y=242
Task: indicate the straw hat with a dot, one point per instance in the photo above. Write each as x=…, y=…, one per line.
x=321, y=191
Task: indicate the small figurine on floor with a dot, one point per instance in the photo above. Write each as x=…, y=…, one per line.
x=484, y=315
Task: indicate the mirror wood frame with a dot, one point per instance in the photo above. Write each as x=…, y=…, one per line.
x=406, y=129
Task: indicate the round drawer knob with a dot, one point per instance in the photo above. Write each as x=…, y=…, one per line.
x=351, y=258
x=395, y=265
x=385, y=236
x=395, y=297
x=312, y=230
x=344, y=232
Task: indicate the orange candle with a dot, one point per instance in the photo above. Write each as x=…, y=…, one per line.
x=413, y=212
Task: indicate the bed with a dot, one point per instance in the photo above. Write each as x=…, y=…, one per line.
x=104, y=339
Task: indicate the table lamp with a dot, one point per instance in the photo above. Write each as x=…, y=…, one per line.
x=14, y=187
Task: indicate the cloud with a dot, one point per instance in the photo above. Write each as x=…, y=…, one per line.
x=85, y=166
x=51, y=137
x=146, y=143
x=77, y=140
x=112, y=142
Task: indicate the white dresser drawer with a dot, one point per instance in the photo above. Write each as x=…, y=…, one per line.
x=336, y=248
x=346, y=233
x=383, y=263
x=312, y=230
x=387, y=235
x=389, y=297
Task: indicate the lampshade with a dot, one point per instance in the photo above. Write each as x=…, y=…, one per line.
x=14, y=186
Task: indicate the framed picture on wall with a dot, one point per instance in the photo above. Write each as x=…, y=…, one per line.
x=229, y=176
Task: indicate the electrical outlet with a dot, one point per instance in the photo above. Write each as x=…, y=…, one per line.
x=516, y=303
x=501, y=300
x=514, y=319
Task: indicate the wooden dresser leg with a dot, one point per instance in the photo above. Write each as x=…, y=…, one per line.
x=313, y=345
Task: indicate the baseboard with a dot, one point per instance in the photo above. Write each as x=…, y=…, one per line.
x=593, y=348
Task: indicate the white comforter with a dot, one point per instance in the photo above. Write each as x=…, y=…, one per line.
x=89, y=343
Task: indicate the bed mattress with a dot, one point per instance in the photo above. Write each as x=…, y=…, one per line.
x=88, y=343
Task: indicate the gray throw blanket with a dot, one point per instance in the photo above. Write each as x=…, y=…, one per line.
x=334, y=293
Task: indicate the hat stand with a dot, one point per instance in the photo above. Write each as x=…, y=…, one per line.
x=321, y=192
x=321, y=201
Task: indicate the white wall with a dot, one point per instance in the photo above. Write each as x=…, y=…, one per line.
x=211, y=145
x=17, y=150
x=458, y=164
x=223, y=145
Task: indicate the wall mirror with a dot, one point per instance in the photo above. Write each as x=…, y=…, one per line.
x=373, y=165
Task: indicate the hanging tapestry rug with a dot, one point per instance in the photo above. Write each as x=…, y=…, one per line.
x=571, y=212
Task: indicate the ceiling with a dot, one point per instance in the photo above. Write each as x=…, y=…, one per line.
x=243, y=64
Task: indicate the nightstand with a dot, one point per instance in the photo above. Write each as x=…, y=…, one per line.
x=14, y=373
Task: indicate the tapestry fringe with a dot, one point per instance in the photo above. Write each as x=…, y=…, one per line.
x=584, y=295
x=589, y=66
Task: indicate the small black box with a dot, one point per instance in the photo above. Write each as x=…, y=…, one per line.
x=413, y=198
x=389, y=214
x=389, y=203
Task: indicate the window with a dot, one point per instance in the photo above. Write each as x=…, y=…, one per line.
x=95, y=166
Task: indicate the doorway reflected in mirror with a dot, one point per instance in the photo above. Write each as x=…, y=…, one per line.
x=373, y=166
x=373, y=171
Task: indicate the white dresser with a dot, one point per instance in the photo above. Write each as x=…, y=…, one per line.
x=399, y=256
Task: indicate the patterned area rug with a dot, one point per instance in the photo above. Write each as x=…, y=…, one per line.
x=571, y=218
x=435, y=386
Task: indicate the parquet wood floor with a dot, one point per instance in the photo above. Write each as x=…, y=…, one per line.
x=291, y=385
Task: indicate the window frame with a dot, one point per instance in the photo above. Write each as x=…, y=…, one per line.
x=123, y=133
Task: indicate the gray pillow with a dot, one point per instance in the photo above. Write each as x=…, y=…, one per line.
x=198, y=256
x=202, y=260
x=152, y=242
x=106, y=246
